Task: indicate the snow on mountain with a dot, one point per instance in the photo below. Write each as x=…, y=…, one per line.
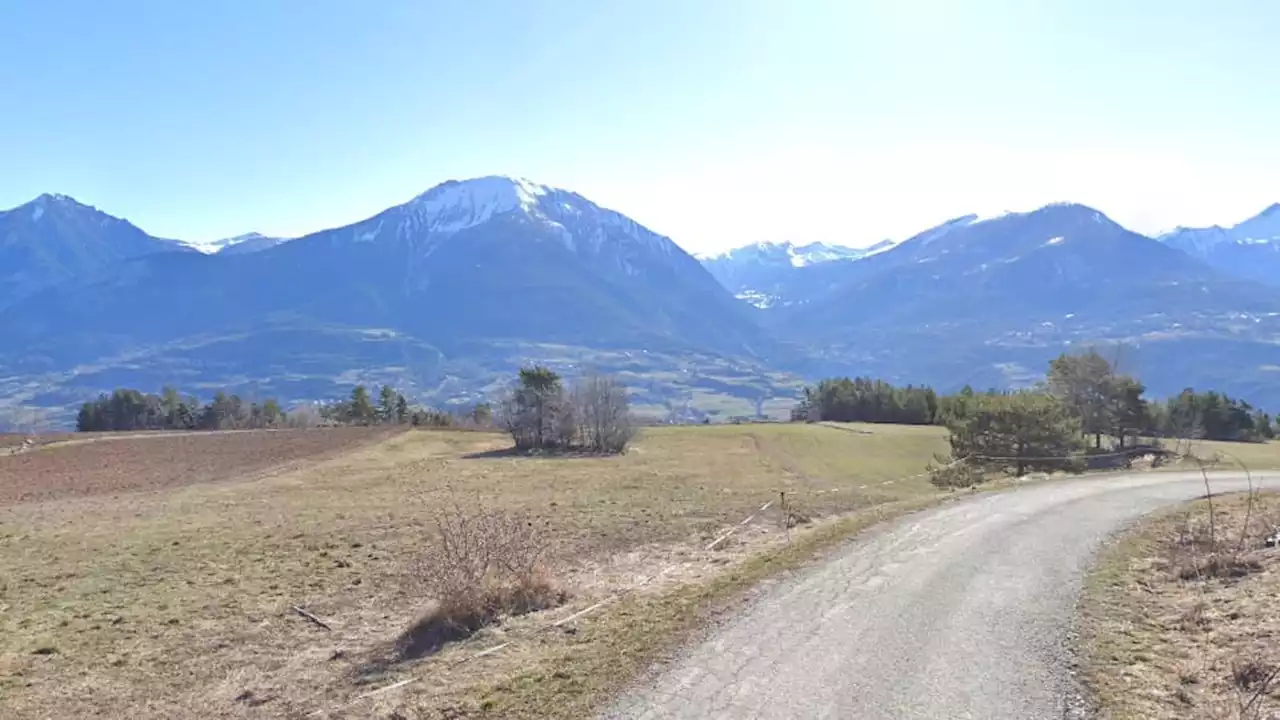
x=791, y=254
x=759, y=273
x=458, y=205
x=246, y=243
x=1263, y=228
x=1250, y=249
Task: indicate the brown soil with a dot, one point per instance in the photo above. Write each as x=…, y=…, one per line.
x=80, y=466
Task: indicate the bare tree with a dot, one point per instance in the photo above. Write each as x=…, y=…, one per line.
x=604, y=414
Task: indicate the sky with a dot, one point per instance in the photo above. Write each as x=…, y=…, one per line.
x=716, y=122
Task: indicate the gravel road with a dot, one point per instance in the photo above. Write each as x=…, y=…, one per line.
x=960, y=612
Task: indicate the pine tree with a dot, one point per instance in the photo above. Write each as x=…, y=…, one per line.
x=387, y=404
x=1016, y=433
x=360, y=409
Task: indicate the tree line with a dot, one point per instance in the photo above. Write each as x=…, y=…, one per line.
x=1106, y=403
x=1062, y=425
x=1085, y=410
x=127, y=409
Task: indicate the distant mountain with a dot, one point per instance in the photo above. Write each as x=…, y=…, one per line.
x=247, y=243
x=445, y=294
x=54, y=239
x=1250, y=249
x=761, y=274
x=988, y=302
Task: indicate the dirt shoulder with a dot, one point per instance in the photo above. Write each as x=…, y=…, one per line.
x=1179, y=616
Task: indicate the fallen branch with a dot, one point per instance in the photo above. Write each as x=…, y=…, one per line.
x=312, y=618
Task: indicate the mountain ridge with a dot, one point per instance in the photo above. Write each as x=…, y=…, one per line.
x=446, y=294
x=1249, y=249
x=430, y=294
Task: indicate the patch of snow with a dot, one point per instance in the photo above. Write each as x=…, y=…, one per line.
x=1055, y=240
x=37, y=212
x=980, y=218
x=757, y=298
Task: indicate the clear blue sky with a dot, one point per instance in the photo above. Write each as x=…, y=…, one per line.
x=715, y=122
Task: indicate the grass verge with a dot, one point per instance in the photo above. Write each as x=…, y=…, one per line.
x=1178, y=617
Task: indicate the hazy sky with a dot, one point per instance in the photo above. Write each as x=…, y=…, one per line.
x=718, y=123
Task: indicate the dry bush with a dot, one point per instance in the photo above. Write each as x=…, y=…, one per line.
x=955, y=475
x=1202, y=551
x=483, y=564
x=1254, y=679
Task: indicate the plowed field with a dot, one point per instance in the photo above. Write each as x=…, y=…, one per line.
x=86, y=465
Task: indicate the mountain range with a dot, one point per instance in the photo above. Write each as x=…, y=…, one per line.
x=761, y=273
x=444, y=296
x=1249, y=250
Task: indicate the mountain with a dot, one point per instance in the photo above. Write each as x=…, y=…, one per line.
x=55, y=239
x=444, y=295
x=761, y=274
x=247, y=243
x=1249, y=250
x=989, y=302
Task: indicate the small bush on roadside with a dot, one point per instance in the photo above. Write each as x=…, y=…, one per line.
x=955, y=475
x=483, y=564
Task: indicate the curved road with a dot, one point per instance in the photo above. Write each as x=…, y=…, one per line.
x=960, y=612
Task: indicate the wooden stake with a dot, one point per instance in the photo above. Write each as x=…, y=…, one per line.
x=312, y=618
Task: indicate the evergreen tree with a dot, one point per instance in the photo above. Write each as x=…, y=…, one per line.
x=387, y=404
x=1084, y=384
x=360, y=409
x=1016, y=433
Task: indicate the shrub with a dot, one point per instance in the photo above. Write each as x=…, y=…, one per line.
x=483, y=565
x=955, y=475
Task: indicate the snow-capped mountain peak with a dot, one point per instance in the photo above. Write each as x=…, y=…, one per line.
x=459, y=204
x=1261, y=229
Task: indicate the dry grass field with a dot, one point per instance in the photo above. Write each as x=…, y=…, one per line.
x=132, y=584
x=155, y=576
x=1179, y=625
